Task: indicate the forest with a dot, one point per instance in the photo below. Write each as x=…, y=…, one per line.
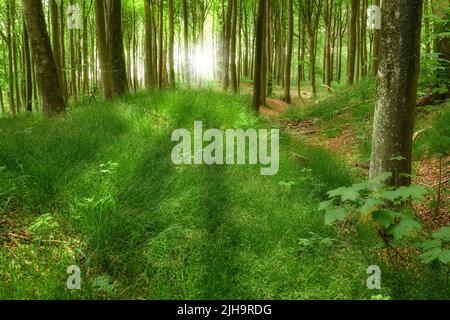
x=224, y=149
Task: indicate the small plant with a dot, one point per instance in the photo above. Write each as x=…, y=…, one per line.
x=315, y=242
x=437, y=248
x=376, y=202
x=43, y=226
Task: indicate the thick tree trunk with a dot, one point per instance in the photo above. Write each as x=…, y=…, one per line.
x=49, y=86
x=396, y=90
x=116, y=50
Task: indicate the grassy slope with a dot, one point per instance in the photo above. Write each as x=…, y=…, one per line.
x=139, y=227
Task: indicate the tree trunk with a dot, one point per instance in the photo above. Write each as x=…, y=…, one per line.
x=116, y=50
x=396, y=90
x=28, y=98
x=259, y=52
x=233, y=69
x=148, y=45
x=171, y=46
x=288, y=62
x=187, y=64
x=160, y=45
x=226, y=47
x=376, y=46
x=102, y=44
x=352, y=42
x=49, y=86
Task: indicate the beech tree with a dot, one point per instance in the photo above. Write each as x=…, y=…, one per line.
x=53, y=103
x=396, y=90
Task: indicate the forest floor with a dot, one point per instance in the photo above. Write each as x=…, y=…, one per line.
x=98, y=190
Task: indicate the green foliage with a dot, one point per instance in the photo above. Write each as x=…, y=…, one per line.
x=433, y=75
x=437, y=248
x=315, y=243
x=43, y=226
x=367, y=201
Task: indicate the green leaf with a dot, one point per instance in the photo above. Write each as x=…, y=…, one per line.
x=325, y=205
x=430, y=255
x=443, y=234
x=389, y=195
x=381, y=178
x=444, y=257
x=349, y=195
x=360, y=186
x=337, y=192
x=370, y=205
x=384, y=217
x=406, y=226
x=333, y=215
x=417, y=192
x=429, y=244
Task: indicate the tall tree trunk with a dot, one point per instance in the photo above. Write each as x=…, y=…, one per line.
x=49, y=86
x=287, y=70
x=233, y=69
x=396, y=90
x=28, y=98
x=103, y=50
x=11, y=97
x=376, y=46
x=328, y=14
x=187, y=64
x=352, y=42
x=116, y=50
x=171, y=45
x=259, y=52
x=56, y=38
x=160, y=45
x=148, y=45
x=226, y=46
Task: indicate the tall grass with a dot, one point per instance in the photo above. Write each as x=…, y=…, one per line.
x=140, y=227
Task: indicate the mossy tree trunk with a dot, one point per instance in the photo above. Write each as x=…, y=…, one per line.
x=53, y=103
x=396, y=90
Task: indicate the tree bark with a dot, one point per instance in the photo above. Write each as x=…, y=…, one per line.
x=396, y=90
x=49, y=86
x=160, y=45
x=352, y=42
x=102, y=44
x=116, y=50
x=288, y=62
x=233, y=68
x=171, y=46
x=259, y=52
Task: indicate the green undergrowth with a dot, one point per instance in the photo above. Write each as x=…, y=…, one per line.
x=98, y=189
x=353, y=107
